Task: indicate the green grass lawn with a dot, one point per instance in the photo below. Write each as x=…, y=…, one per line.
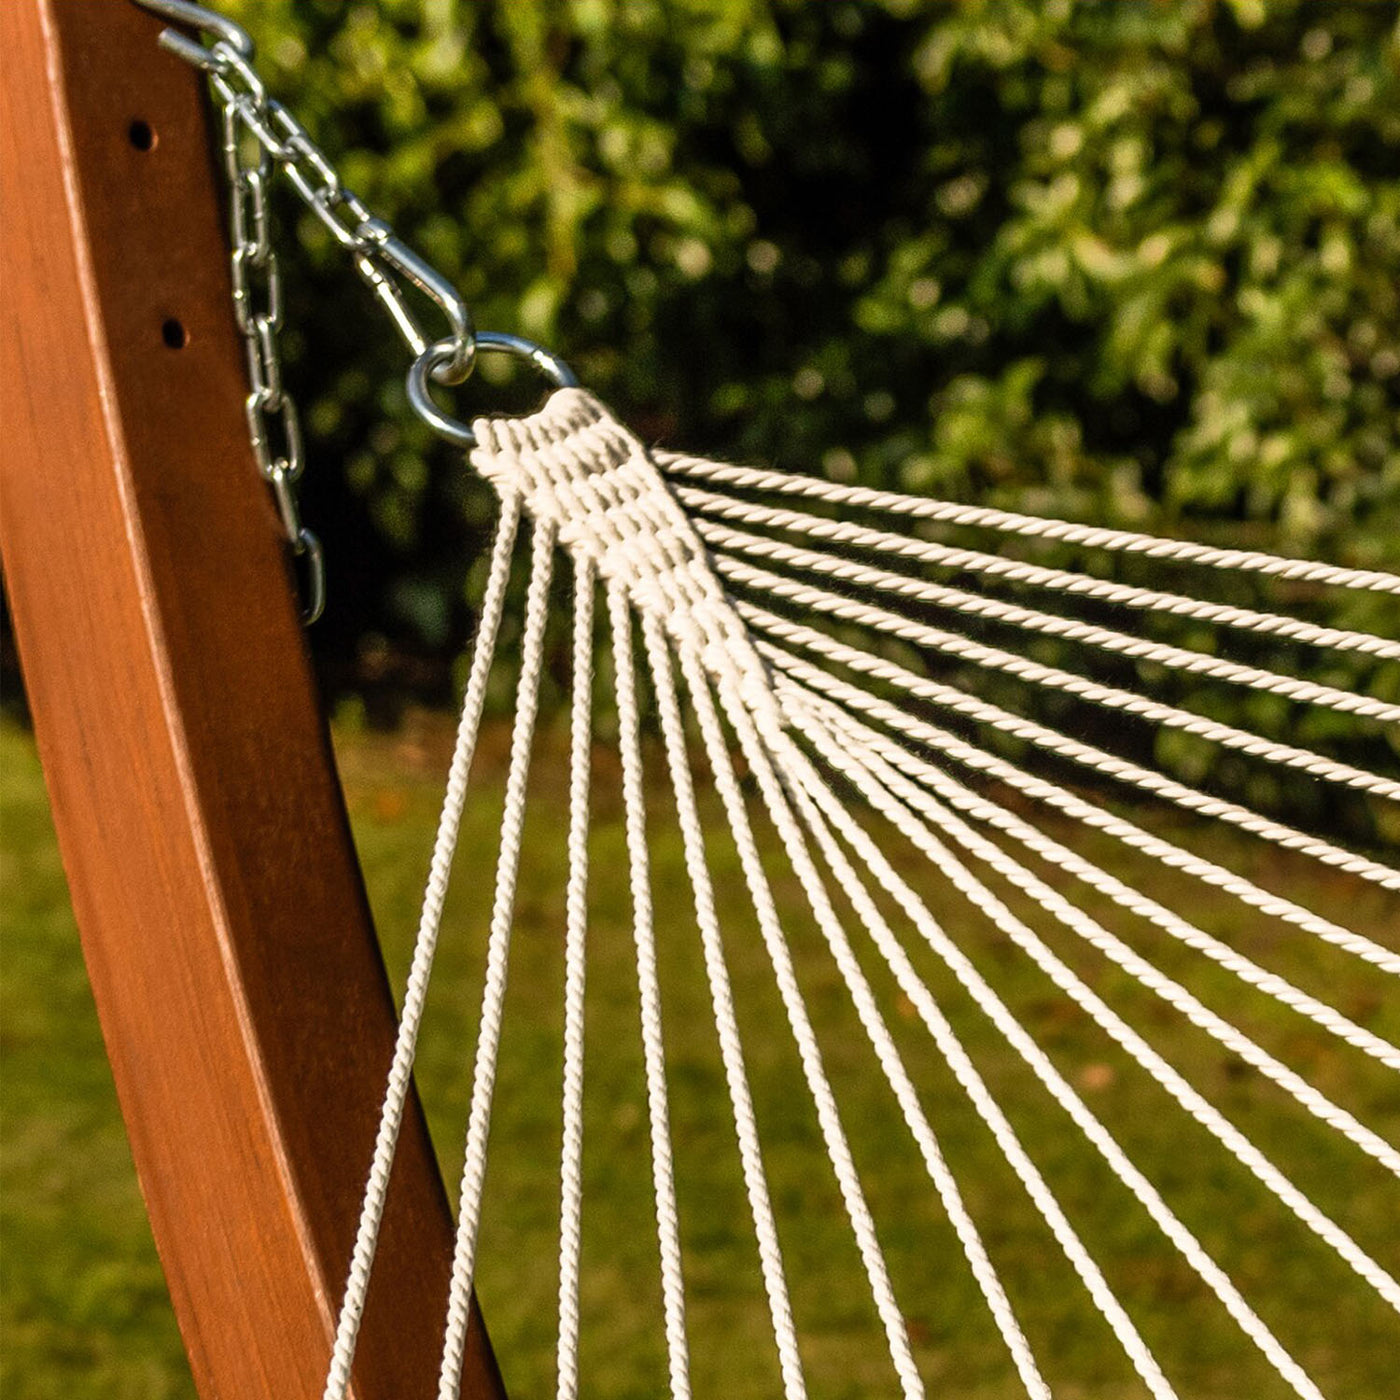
x=82, y=1301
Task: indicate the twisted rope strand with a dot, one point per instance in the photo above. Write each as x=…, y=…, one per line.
x=967, y=1075
x=1064, y=746
x=726, y=1023
x=575, y=973
x=755, y=747
x=663, y=1172
x=858, y=757
x=1032, y=526
x=819, y=806
x=425, y=945
x=1112, y=697
x=497, y=963
x=951, y=747
x=1019, y=571
x=872, y=781
x=1002, y=819
x=828, y=1115
x=1010, y=614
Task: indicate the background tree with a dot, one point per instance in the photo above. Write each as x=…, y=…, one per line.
x=1136, y=263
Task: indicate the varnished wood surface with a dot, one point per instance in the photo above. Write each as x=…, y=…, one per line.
x=224, y=923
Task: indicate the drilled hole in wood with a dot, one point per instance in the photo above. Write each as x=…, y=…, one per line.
x=174, y=334
x=142, y=135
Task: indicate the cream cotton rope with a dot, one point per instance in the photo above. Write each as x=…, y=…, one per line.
x=807, y=700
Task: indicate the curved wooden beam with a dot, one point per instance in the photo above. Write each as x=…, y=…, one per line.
x=224, y=923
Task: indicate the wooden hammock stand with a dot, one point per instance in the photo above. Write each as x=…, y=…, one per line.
x=242, y=997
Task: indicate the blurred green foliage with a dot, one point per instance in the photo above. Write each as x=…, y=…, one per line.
x=1130, y=262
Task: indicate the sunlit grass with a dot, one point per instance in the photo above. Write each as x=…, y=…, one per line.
x=84, y=1310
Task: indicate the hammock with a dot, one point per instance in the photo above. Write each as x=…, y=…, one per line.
x=826, y=653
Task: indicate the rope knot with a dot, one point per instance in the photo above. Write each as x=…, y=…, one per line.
x=577, y=469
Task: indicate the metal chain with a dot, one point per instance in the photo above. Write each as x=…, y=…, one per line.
x=273, y=426
x=260, y=138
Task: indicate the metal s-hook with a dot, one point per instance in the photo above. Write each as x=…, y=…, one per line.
x=394, y=251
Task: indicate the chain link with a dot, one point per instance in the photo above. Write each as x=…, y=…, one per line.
x=380, y=257
x=274, y=429
x=260, y=138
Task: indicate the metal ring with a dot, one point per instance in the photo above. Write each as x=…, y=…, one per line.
x=440, y=353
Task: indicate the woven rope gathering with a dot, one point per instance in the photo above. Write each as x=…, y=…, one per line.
x=829, y=736
x=917, y=734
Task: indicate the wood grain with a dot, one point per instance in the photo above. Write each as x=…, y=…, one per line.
x=240, y=988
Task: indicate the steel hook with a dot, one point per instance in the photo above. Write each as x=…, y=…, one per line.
x=206, y=21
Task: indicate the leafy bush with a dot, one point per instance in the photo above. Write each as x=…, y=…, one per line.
x=1128, y=262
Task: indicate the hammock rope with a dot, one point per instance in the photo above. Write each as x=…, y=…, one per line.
x=935, y=639
x=881, y=798
x=575, y=984
x=1016, y=571
x=771, y=693
x=1035, y=1058
x=804, y=644
x=649, y=992
x=724, y=542
x=1169, y=922
x=497, y=962
x=865, y=765
x=1063, y=745
x=812, y=796
x=1071, y=804
x=726, y=1021
x=837, y=1143
x=1031, y=526
x=425, y=947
